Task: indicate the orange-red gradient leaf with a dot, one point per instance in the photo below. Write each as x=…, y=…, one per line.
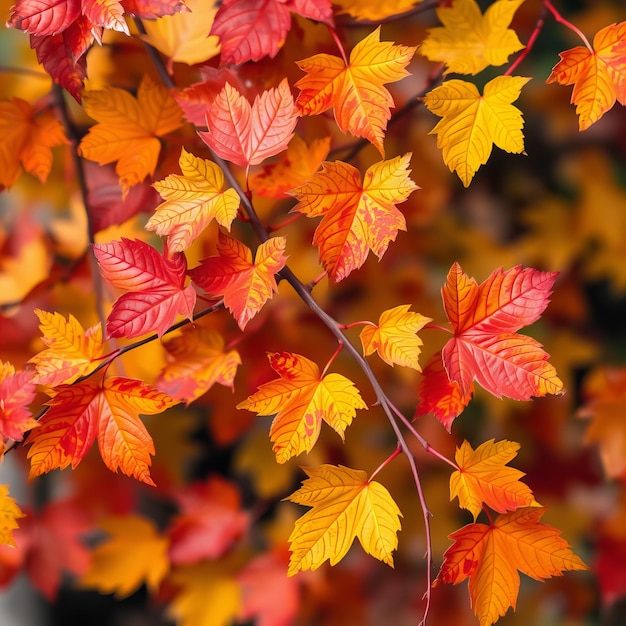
x=355, y=91
x=9, y=514
x=300, y=400
x=486, y=346
x=490, y=556
x=357, y=216
x=17, y=391
x=484, y=478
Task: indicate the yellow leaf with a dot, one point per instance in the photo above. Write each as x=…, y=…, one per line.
x=472, y=123
x=192, y=201
x=394, y=338
x=345, y=505
x=469, y=41
x=134, y=554
x=301, y=400
x=374, y=10
x=9, y=514
x=129, y=128
x=483, y=477
x=184, y=37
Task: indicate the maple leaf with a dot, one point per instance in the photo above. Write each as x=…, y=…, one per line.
x=247, y=134
x=27, y=138
x=483, y=478
x=249, y=30
x=192, y=201
x=301, y=400
x=245, y=284
x=196, y=361
x=598, y=75
x=43, y=18
x=345, y=505
x=17, y=391
x=472, y=122
x=492, y=555
x=9, y=514
x=356, y=216
x=373, y=10
x=486, y=346
x=109, y=410
x=156, y=285
x=394, y=338
x=469, y=41
x=151, y=9
x=129, y=128
x=293, y=168
x=355, y=90
x=439, y=395
x=134, y=553
x=71, y=351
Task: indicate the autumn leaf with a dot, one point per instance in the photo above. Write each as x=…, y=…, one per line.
x=134, y=553
x=71, y=351
x=394, y=338
x=469, y=41
x=109, y=411
x=129, y=128
x=245, y=284
x=17, y=391
x=345, y=505
x=196, y=360
x=373, y=10
x=486, y=346
x=301, y=399
x=27, y=138
x=247, y=134
x=355, y=90
x=9, y=514
x=439, y=395
x=293, y=168
x=192, y=202
x=357, y=216
x=472, y=122
x=492, y=555
x=483, y=478
x=156, y=286
x=598, y=75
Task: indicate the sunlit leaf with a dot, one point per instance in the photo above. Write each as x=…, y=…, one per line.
x=17, y=391
x=9, y=514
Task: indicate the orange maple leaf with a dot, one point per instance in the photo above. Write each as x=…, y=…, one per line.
x=356, y=216
x=192, y=201
x=9, y=514
x=109, y=410
x=196, y=361
x=598, y=74
x=486, y=346
x=27, y=138
x=301, y=399
x=483, y=478
x=245, y=284
x=71, y=351
x=17, y=391
x=490, y=556
x=129, y=128
x=355, y=90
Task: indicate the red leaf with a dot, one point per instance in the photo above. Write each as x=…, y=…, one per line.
x=319, y=10
x=43, y=17
x=16, y=393
x=156, y=284
x=151, y=9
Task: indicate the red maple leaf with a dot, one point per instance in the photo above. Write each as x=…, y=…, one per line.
x=17, y=391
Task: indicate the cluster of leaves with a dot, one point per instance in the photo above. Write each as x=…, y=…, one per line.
x=209, y=245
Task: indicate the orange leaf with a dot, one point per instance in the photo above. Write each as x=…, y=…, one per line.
x=27, y=137
x=192, y=201
x=394, y=338
x=483, y=478
x=196, y=361
x=248, y=134
x=9, y=514
x=17, y=391
x=492, y=555
x=355, y=91
x=128, y=129
x=71, y=352
x=245, y=284
x=356, y=216
x=598, y=75
x=486, y=346
x=301, y=400
x=110, y=410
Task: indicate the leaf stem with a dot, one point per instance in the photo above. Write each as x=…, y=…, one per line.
x=531, y=41
x=335, y=37
x=561, y=20
x=386, y=462
x=332, y=358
